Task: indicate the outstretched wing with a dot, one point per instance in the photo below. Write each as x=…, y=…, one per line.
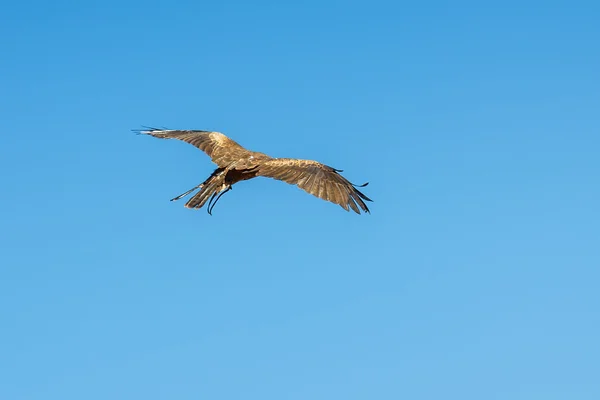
x=317, y=179
x=222, y=150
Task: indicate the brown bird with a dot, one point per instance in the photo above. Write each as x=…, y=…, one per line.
x=236, y=164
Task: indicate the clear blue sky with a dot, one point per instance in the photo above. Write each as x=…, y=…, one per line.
x=475, y=277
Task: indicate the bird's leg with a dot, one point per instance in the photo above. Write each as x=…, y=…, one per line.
x=212, y=205
x=186, y=193
x=208, y=208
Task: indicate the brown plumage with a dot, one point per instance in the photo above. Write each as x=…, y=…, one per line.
x=236, y=164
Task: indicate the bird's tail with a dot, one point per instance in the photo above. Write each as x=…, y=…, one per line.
x=210, y=187
x=208, y=184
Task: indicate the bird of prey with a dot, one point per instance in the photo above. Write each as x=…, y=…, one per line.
x=235, y=164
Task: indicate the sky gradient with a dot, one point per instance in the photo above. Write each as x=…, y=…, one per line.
x=474, y=277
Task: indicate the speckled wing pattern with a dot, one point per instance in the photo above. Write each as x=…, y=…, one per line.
x=222, y=150
x=317, y=179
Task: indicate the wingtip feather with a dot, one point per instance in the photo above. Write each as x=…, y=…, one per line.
x=149, y=130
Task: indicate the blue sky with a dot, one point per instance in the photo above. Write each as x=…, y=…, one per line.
x=475, y=277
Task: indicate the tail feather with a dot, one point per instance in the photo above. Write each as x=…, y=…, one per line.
x=211, y=181
x=188, y=192
x=213, y=185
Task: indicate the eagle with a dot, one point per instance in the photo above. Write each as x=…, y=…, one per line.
x=236, y=164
